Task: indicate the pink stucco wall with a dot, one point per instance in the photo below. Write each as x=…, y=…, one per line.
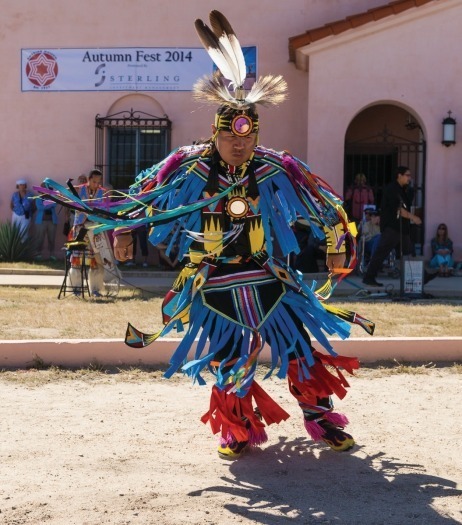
x=415, y=65
x=411, y=60
x=52, y=134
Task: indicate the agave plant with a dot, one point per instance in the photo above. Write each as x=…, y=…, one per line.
x=13, y=246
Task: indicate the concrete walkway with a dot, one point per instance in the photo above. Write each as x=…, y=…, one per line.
x=160, y=281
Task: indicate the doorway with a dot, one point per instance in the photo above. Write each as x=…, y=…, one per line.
x=380, y=139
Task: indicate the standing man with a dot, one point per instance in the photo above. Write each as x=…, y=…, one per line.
x=395, y=223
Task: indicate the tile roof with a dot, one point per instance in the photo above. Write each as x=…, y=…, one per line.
x=351, y=22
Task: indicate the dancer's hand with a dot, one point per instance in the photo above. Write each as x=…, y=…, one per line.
x=335, y=261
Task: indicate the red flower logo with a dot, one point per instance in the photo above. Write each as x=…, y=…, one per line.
x=42, y=68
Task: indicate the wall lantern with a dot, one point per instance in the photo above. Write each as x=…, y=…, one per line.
x=449, y=131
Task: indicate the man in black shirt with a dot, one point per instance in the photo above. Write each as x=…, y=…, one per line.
x=395, y=221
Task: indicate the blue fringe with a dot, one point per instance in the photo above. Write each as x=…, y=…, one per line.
x=279, y=328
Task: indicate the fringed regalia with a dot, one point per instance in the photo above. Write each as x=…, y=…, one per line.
x=234, y=293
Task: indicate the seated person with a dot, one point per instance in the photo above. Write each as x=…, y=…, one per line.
x=442, y=250
x=370, y=232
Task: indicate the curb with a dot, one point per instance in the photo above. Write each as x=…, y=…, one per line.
x=84, y=352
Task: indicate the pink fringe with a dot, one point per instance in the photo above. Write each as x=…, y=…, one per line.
x=257, y=438
x=171, y=165
x=226, y=440
x=316, y=431
x=340, y=420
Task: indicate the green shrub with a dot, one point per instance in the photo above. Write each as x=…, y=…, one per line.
x=12, y=247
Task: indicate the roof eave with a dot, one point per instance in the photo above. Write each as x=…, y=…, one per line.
x=356, y=26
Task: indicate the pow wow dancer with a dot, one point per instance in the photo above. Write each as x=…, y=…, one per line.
x=225, y=204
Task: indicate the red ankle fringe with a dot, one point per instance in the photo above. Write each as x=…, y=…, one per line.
x=234, y=416
x=322, y=382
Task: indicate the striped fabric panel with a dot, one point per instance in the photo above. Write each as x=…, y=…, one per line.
x=272, y=163
x=200, y=169
x=224, y=182
x=248, y=306
x=226, y=282
x=267, y=155
x=266, y=171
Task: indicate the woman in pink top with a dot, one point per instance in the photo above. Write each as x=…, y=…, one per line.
x=358, y=196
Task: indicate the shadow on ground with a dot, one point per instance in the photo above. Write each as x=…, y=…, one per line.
x=330, y=488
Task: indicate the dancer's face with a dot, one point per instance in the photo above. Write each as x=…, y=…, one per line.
x=234, y=150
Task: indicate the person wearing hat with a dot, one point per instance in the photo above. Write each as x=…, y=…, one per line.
x=371, y=231
x=225, y=203
x=22, y=206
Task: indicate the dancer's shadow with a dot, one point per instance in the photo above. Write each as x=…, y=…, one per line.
x=301, y=483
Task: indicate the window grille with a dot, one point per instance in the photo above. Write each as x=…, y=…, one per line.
x=127, y=143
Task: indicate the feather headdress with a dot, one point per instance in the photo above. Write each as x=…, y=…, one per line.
x=222, y=45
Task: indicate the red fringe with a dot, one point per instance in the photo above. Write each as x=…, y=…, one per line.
x=234, y=417
x=322, y=382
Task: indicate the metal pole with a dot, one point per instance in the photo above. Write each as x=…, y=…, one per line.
x=401, y=258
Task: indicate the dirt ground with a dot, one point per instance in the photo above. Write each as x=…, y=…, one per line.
x=130, y=449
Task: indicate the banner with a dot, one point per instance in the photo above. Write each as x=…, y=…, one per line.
x=118, y=69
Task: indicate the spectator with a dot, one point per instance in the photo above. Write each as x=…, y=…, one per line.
x=395, y=225
x=93, y=194
x=442, y=250
x=22, y=207
x=370, y=231
x=46, y=221
x=140, y=234
x=358, y=196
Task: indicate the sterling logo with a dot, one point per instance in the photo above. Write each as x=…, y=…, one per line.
x=42, y=68
x=100, y=70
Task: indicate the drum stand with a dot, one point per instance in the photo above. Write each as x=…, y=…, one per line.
x=81, y=288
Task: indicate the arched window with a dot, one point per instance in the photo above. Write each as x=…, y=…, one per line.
x=129, y=142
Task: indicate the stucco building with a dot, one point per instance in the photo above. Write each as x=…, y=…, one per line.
x=108, y=83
